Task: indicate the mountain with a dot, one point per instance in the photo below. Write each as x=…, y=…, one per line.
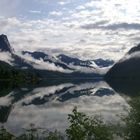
x=48, y=66
x=7, y=54
x=36, y=54
x=11, y=64
x=5, y=45
x=45, y=58
x=66, y=63
x=75, y=61
x=76, y=65
x=87, y=63
x=128, y=68
x=103, y=62
x=99, y=66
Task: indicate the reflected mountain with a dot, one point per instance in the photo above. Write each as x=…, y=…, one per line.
x=8, y=100
x=128, y=87
x=4, y=113
x=104, y=91
x=65, y=92
x=48, y=104
x=51, y=93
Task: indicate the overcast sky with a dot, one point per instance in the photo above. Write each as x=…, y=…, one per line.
x=86, y=29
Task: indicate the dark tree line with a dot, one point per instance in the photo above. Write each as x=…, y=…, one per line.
x=9, y=73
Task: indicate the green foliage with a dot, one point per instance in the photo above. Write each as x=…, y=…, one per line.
x=5, y=135
x=17, y=76
x=83, y=127
x=54, y=136
x=132, y=121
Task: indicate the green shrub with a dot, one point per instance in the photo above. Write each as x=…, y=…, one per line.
x=5, y=135
x=83, y=127
x=132, y=121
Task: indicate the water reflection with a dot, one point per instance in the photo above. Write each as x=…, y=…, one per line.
x=48, y=106
x=127, y=86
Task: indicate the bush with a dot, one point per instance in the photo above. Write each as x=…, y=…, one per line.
x=83, y=127
x=132, y=121
x=5, y=135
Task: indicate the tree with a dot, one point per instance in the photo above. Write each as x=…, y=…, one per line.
x=83, y=127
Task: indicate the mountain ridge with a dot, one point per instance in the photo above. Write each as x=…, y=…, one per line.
x=50, y=66
x=127, y=68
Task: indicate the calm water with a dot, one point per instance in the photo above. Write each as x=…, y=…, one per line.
x=48, y=104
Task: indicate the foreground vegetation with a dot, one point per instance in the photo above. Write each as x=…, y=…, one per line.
x=83, y=127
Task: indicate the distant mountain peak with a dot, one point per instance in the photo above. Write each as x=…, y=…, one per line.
x=4, y=44
x=75, y=61
x=36, y=54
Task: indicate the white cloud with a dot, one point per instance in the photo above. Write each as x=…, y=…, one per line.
x=56, y=13
x=6, y=57
x=6, y=100
x=81, y=7
x=40, y=64
x=108, y=31
x=63, y=2
x=64, y=37
x=130, y=56
x=41, y=92
x=35, y=12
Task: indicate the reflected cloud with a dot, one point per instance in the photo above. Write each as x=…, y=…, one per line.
x=48, y=107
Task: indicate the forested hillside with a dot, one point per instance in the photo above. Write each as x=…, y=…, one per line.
x=9, y=73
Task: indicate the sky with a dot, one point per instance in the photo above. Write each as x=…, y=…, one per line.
x=86, y=29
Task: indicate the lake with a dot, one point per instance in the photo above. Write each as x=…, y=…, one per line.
x=47, y=104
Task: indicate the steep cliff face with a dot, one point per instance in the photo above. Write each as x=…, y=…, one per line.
x=8, y=55
x=5, y=45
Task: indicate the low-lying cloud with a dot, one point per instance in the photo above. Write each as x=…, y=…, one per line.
x=40, y=64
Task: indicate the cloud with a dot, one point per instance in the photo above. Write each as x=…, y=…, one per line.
x=101, y=25
x=61, y=28
x=40, y=64
x=35, y=12
x=57, y=37
x=130, y=56
x=6, y=57
x=125, y=26
x=56, y=13
x=81, y=7
x=63, y=2
x=6, y=100
x=45, y=91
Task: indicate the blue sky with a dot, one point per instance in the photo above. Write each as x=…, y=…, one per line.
x=86, y=29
